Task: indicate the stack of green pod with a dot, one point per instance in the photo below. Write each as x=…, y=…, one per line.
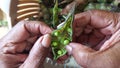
x=99, y=4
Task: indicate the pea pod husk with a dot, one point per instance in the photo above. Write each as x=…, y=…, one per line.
x=55, y=14
x=62, y=36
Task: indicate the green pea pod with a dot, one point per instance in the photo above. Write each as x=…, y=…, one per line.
x=115, y=3
x=90, y=6
x=103, y=6
x=55, y=14
x=62, y=36
x=102, y=1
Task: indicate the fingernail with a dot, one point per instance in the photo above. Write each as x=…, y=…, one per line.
x=69, y=49
x=46, y=40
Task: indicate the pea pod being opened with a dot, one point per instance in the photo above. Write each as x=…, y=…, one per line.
x=62, y=36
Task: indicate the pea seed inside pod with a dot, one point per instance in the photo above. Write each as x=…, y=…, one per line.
x=69, y=29
x=54, y=44
x=56, y=33
x=59, y=52
x=66, y=42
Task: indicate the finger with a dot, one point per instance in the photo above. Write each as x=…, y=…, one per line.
x=17, y=58
x=82, y=19
x=78, y=47
x=14, y=48
x=39, y=52
x=115, y=38
x=24, y=29
x=35, y=27
x=81, y=53
x=97, y=19
x=32, y=39
x=21, y=57
x=62, y=59
x=50, y=54
x=30, y=43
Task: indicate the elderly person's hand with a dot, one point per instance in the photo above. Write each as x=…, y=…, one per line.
x=96, y=39
x=25, y=46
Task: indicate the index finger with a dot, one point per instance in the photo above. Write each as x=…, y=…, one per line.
x=96, y=18
x=25, y=29
x=37, y=27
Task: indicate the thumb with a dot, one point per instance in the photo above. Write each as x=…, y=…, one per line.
x=81, y=53
x=38, y=53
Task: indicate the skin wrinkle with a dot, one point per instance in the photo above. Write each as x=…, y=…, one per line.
x=22, y=25
x=87, y=60
x=110, y=42
x=40, y=57
x=29, y=28
x=112, y=52
x=95, y=13
x=78, y=16
x=108, y=60
x=5, y=46
x=108, y=17
x=92, y=61
x=32, y=39
x=77, y=24
x=107, y=21
x=113, y=18
x=28, y=47
x=113, y=60
x=25, y=27
x=17, y=42
x=14, y=47
x=114, y=21
x=117, y=27
x=38, y=27
x=9, y=39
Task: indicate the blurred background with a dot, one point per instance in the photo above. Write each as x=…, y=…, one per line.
x=3, y=24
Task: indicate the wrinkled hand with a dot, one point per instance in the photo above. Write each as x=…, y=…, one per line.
x=100, y=31
x=95, y=27
x=25, y=46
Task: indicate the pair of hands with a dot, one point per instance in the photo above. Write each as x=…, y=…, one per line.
x=97, y=29
x=25, y=46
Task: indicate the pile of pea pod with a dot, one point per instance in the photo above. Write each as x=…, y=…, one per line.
x=109, y=5
x=82, y=5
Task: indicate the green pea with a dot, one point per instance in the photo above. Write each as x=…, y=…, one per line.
x=66, y=42
x=69, y=30
x=56, y=33
x=54, y=44
x=59, y=52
